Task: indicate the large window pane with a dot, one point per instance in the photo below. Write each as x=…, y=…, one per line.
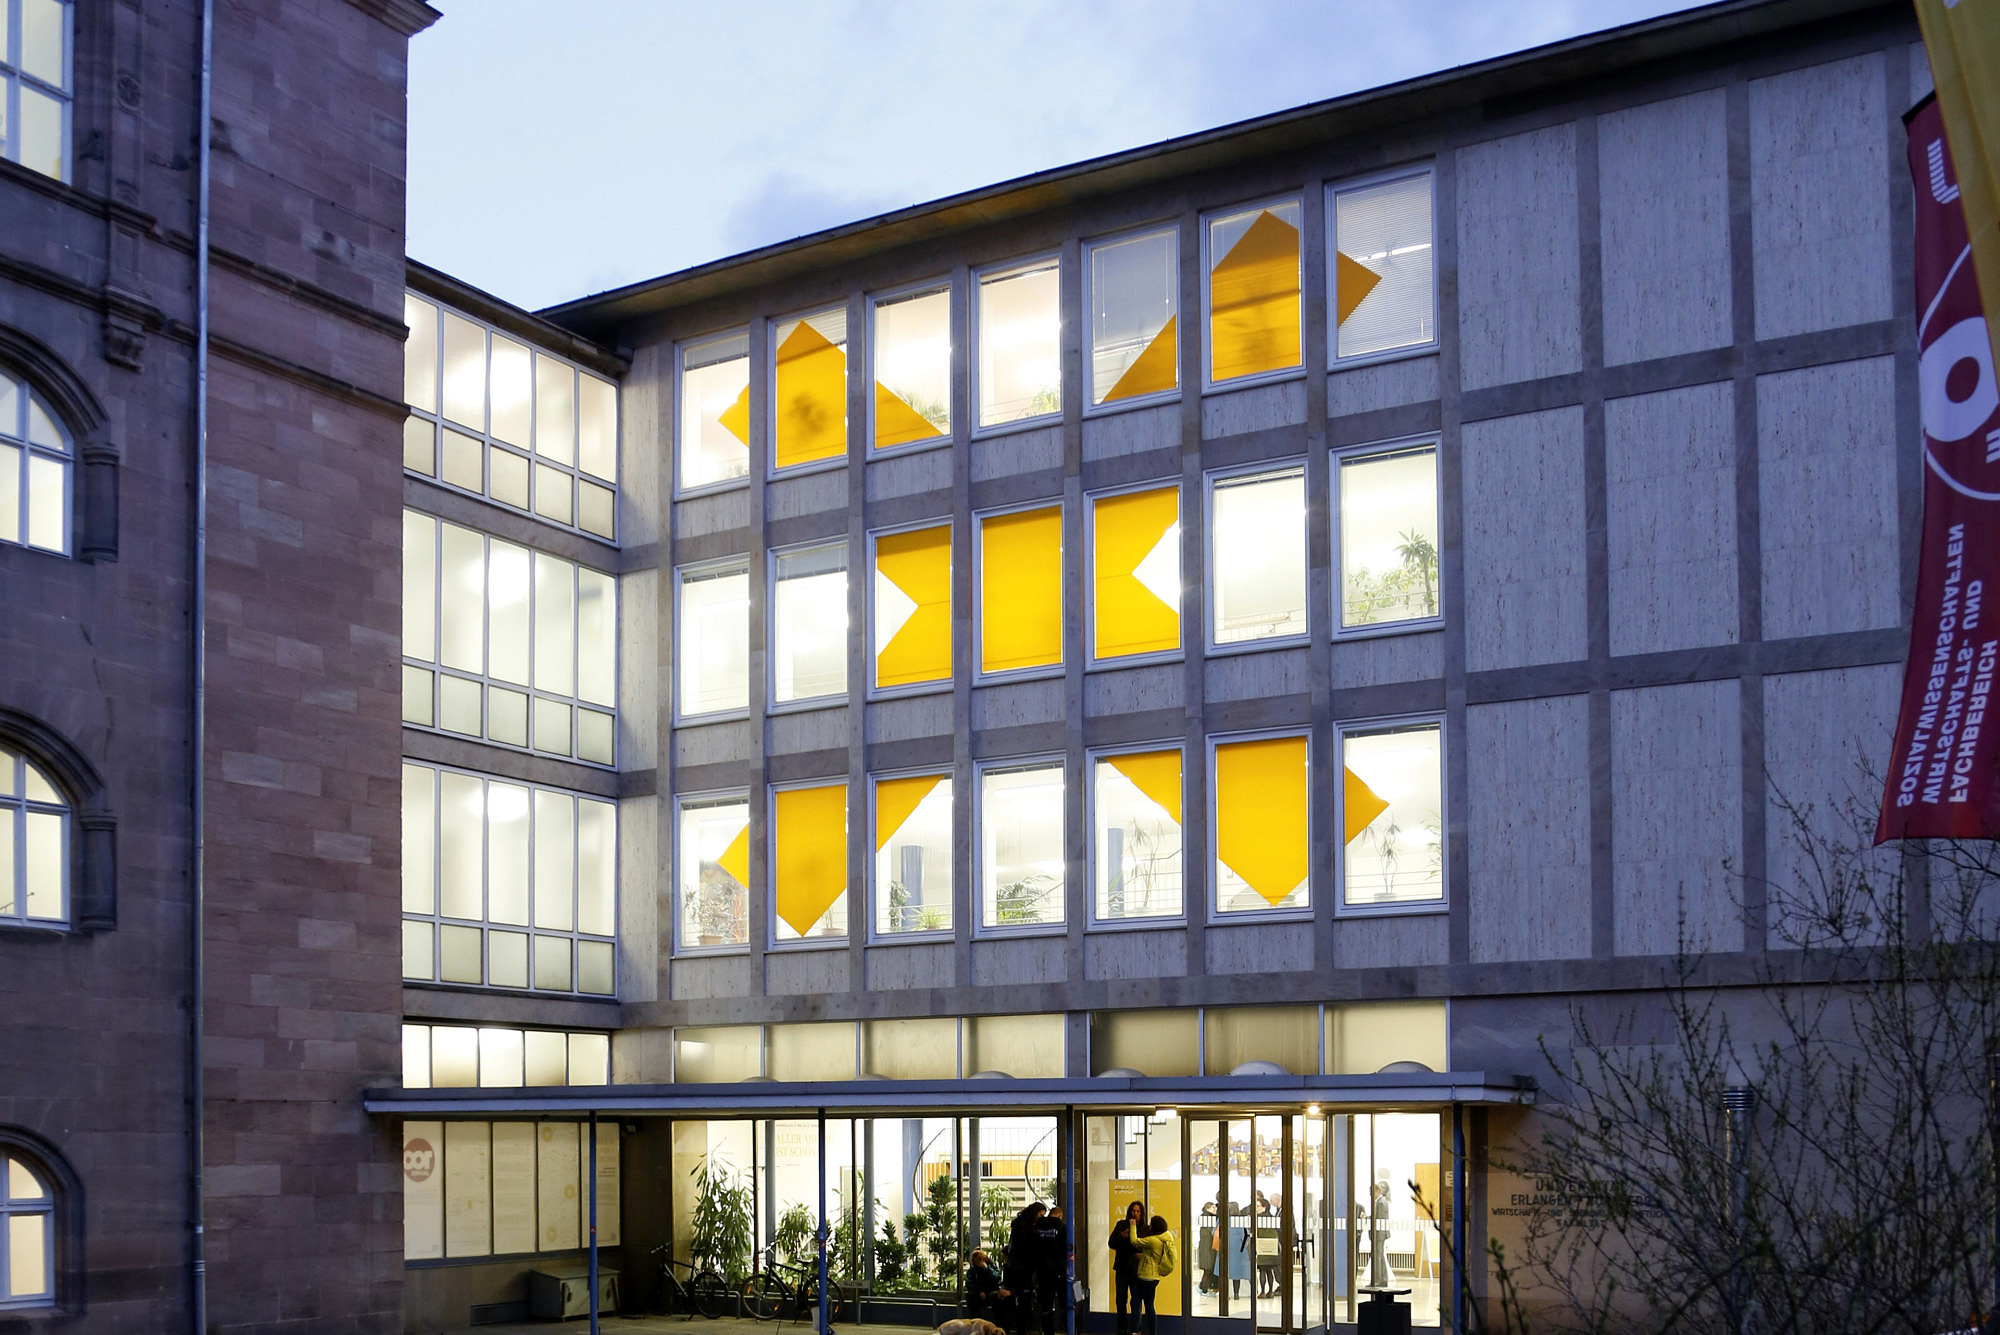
x=1253, y=292
x=555, y=860
x=1134, y=297
x=1020, y=345
x=809, y=623
x=419, y=586
x=1262, y=816
x=912, y=351
x=596, y=867
x=420, y=353
x=596, y=637
x=462, y=620
x=1136, y=573
x=555, y=410
x=1020, y=590
x=597, y=427
x=1021, y=856
x=555, y=625
x=714, y=417
x=714, y=648
x=1136, y=815
x=714, y=873
x=513, y=392
x=1382, y=267
x=419, y=839
x=1388, y=537
x=809, y=389
x=809, y=861
x=912, y=613
x=1392, y=800
x=913, y=858
x=1257, y=556
x=464, y=372
x=507, y=630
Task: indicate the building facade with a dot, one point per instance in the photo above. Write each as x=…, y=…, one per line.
x=1161, y=681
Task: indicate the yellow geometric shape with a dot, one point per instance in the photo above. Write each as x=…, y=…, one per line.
x=896, y=422
x=1359, y=803
x=1352, y=282
x=918, y=563
x=1157, y=774
x=735, y=418
x=895, y=799
x=1261, y=812
x=1020, y=577
x=1131, y=618
x=1253, y=302
x=810, y=414
x=809, y=852
x=1154, y=371
x=735, y=859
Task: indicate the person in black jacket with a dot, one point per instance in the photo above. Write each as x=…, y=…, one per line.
x=1124, y=1245
x=1023, y=1261
x=1051, y=1267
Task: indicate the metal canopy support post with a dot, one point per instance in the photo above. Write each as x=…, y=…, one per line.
x=1461, y=1268
x=822, y=1222
x=1069, y=1218
x=593, y=1223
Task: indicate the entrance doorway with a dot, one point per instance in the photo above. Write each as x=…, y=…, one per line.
x=1388, y=1194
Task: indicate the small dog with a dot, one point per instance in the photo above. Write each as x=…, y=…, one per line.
x=969, y=1326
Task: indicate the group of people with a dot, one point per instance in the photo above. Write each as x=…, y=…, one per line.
x=1032, y=1286
x=1239, y=1244
x=1143, y=1252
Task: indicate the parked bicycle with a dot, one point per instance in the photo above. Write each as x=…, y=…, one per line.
x=690, y=1291
x=778, y=1285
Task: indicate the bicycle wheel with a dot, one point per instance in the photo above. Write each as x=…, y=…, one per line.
x=763, y=1295
x=711, y=1295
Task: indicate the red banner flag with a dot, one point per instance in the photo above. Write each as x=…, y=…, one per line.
x=1941, y=780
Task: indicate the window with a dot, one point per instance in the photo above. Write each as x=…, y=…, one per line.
x=35, y=85
x=809, y=623
x=1253, y=292
x=458, y=1056
x=34, y=470
x=34, y=846
x=1022, y=864
x=1135, y=559
x=714, y=417
x=505, y=1188
x=1257, y=557
x=912, y=612
x=1020, y=344
x=809, y=389
x=1391, y=810
x=1262, y=822
x=912, y=351
x=1388, y=514
x=1135, y=291
x=507, y=644
x=1382, y=267
x=28, y=1212
x=714, y=648
x=507, y=885
x=1136, y=844
x=1020, y=590
x=913, y=859
x=809, y=862
x=494, y=417
x=714, y=873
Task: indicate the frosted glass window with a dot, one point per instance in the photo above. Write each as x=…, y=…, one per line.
x=511, y=385
x=1381, y=267
x=912, y=352
x=464, y=372
x=714, y=648
x=1392, y=806
x=813, y=1051
x=508, y=626
x=1027, y=1047
x=1362, y=1037
x=596, y=637
x=420, y=353
x=36, y=88
x=809, y=623
x=1285, y=1035
x=718, y=1055
x=714, y=417
x=1020, y=344
x=34, y=846
x=500, y=1058
x=555, y=409
x=590, y=1059
x=597, y=427
x=555, y=624
x=1151, y=1042
x=416, y=1056
x=1388, y=508
x=1022, y=867
x=1136, y=844
x=1257, y=557
x=913, y=854
x=35, y=470
x=546, y=1057
x=714, y=859
x=454, y=1057
x=1135, y=289
x=925, y=1049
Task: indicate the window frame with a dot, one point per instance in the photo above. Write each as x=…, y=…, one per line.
x=772, y=472
x=1238, y=473
x=717, y=566
x=1091, y=662
x=1342, y=455
x=772, y=944
x=872, y=855
x=772, y=704
x=980, y=676
x=681, y=491
x=1204, y=221
x=62, y=1235
x=708, y=797
x=1163, y=922
x=1342, y=729
x=1000, y=271
x=1390, y=176
x=1170, y=227
x=1000, y=765
x=67, y=455
x=948, y=285
x=10, y=115
x=14, y=810
x=940, y=685
x=1306, y=912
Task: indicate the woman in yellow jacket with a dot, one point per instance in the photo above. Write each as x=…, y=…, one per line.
x=1159, y=1253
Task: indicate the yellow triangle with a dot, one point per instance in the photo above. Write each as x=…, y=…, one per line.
x=809, y=852
x=810, y=415
x=1157, y=774
x=896, y=422
x=918, y=563
x=1253, y=316
x=895, y=799
x=1131, y=618
x=1359, y=803
x=735, y=418
x=1260, y=813
x=1352, y=282
x=1153, y=371
x=735, y=859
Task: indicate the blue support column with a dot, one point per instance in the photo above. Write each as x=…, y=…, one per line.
x=593, y=1222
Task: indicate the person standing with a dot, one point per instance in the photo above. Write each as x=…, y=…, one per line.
x=1159, y=1252
x=1052, y=1268
x=1023, y=1243
x=1124, y=1245
x=1378, y=1235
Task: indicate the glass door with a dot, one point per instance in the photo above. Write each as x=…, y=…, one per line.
x=1387, y=1200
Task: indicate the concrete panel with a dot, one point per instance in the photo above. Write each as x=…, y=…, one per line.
x=1388, y=658
x=1819, y=223
x=1826, y=742
x=1108, y=955
x=914, y=716
x=1391, y=943
x=803, y=973
x=1134, y=690
x=909, y=474
x=791, y=497
x=1528, y=828
x=814, y=730
x=1519, y=316
x=724, y=512
x=638, y=899
x=1676, y=818
x=1258, y=676
x=1387, y=385
x=1132, y=432
x=1670, y=479
x=1259, y=408
x=715, y=743
x=1921, y=81
x=640, y=681
x=1826, y=458
x=706, y=976
x=1017, y=704
x=1264, y=947
x=903, y=967
x=642, y=1056
x=1017, y=452
x=1037, y=959
x=1524, y=540
x=1663, y=182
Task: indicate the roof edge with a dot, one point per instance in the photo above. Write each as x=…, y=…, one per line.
x=504, y=314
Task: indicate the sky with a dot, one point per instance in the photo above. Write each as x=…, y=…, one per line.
x=558, y=150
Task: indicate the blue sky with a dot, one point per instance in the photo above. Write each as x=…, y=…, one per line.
x=561, y=149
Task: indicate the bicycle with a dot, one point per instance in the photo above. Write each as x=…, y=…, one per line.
x=777, y=1283
x=702, y=1293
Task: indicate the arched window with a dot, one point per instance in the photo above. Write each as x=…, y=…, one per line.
x=37, y=85
x=35, y=470
x=34, y=846
x=27, y=1232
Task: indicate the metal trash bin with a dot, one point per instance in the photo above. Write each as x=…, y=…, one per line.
x=558, y=1295
x=1382, y=1314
